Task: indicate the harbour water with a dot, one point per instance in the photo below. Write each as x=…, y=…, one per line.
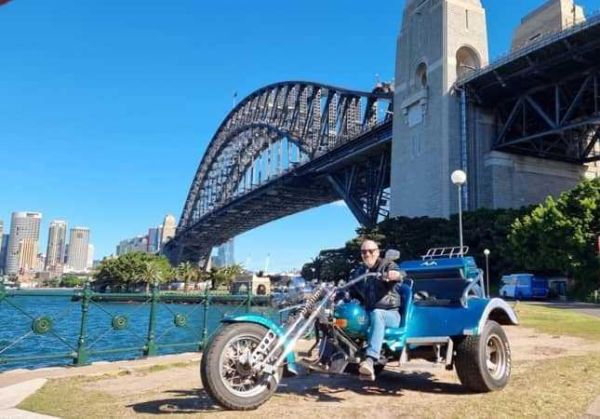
x=114, y=331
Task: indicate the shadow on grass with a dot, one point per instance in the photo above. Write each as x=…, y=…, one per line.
x=313, y=387
x=182, y=402
x=324, y=388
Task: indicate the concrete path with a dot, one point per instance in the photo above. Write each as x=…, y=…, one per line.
x=16, y=385
x=594, y=410
x=11, y=396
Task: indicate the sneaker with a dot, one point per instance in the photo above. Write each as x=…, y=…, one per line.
x=366, y=369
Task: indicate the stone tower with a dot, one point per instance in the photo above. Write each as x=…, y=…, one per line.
x=439, y=40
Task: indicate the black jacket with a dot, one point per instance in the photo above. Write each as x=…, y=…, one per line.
x=375, y=292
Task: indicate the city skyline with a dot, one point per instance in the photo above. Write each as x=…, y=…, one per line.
x=22, y=251
x=147, y=125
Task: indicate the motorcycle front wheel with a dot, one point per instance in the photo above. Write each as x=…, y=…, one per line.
x=227, y=377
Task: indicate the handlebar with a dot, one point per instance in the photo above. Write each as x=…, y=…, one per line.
x=359, y=278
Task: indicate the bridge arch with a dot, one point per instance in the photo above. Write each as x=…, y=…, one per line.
x=314, y=118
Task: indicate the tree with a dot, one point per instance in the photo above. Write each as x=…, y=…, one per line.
x=482, y=228
x=561, y=235
x=187, y=272
x=225, y=275
x=71, y=281
x=150, y=274
x=128, y=270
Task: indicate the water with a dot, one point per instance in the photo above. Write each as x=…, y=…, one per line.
x=17, y=314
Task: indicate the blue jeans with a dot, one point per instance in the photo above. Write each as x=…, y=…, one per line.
x=380, y=319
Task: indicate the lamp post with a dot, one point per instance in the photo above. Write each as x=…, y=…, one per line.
x=486, y=252
x=459, y=178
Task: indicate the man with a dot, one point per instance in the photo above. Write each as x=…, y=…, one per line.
x=381, y=300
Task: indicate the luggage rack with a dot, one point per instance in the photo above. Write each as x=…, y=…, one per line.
x=445, y=252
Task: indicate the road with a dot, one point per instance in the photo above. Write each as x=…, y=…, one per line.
x=585, y=308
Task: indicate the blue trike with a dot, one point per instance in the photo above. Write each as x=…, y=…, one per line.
x=446, y=319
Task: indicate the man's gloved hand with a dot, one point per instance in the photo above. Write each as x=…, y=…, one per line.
x=394, y=276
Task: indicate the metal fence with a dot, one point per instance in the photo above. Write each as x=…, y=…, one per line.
x=48, y=327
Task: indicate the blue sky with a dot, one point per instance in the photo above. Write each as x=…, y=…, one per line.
x=106, y=107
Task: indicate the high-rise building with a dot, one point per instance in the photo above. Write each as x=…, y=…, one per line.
x=55, y=254
x=3, y=252
x=168, y=229
x=79, y=239
x=90, y=256
x=40, y=262
x=23, y=243
x=225, y=255
x=154, y=239
x=135, y=244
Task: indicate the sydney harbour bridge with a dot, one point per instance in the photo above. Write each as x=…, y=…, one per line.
x=286, y=148
x=296, y=145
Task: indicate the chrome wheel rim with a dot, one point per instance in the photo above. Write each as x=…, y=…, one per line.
x=495, y=357
x=236, y=374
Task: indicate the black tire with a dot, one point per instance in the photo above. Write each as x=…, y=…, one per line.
x=472, y=355
x=210, y=368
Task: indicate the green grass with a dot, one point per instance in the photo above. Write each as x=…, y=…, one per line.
x=559, y=388
x=67, y=399
x=557, y=321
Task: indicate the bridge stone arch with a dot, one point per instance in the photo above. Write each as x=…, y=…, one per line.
x=316, y=118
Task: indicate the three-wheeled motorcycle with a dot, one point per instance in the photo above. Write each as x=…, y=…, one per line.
x=445, y=318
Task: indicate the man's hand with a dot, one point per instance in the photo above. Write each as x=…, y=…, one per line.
x=393, y=276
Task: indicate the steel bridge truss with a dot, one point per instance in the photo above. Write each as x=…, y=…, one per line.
x=314, y=119
x=364, y=188
x=558, y=121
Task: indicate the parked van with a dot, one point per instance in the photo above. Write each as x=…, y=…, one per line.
x=529, y=286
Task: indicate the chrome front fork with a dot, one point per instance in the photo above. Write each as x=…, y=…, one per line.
x=261, y=359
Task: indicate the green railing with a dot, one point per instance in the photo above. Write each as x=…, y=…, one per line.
x=83, y=325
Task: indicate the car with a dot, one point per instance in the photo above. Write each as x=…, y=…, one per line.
x=530, y=286
x=446, y=319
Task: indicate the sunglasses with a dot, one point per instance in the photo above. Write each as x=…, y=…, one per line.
x=369, y=251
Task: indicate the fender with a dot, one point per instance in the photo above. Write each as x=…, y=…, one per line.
x=498, y=310
x=269, y=324
x=481, y=310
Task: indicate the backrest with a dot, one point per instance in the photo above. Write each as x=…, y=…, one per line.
x=442, y=288
x=406, y=295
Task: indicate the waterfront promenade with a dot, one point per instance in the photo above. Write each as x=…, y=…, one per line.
x=171, y=385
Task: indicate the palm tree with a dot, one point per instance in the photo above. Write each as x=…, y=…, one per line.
x=187, y=272
x=224, y=276
x=150, y=274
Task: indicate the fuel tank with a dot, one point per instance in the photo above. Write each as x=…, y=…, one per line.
x=352, y=318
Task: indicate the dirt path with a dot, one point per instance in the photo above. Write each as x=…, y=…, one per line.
x=407, y=392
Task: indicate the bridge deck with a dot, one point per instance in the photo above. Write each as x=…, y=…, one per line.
x=549, y=60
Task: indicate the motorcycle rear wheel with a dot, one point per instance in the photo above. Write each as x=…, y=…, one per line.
x=229, y=382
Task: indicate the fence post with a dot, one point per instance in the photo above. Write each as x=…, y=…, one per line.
x=249, y=301
x=82, y=355
x=206, y=307
x=150, y=348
